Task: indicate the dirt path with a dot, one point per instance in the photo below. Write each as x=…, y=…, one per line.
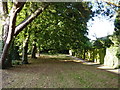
x=107, y=68
x=57, y=72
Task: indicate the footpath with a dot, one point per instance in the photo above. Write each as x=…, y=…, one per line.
x=107, y=68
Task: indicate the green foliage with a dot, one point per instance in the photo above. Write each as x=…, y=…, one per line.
x=104, y=42
x=52, y=52
x=98, y=44
x=118, y=53
x=117, y=32
x=54, y=29
x=103, y=9
x=16, y=62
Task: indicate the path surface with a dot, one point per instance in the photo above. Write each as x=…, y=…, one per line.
x=58, y=72
x=107, y=68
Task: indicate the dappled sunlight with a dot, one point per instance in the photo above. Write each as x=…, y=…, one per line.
x=98, y=65
x=55, y=45
x=53, y=72
x=105, y=67
x=90, y=63
x=78, y=61
x=110, y=69
x=69, y=60
x=115, y=71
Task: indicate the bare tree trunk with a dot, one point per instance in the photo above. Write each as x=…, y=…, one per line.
x=13, y=30
x=84, y=52
x=39, y=50
x=1, y=39
x=34, y=49
x=25, y=49
x=9, y=58
x=5, y=18
x=4, y=26
x=12, y=22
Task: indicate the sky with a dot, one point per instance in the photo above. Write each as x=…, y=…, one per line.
x=101, y=26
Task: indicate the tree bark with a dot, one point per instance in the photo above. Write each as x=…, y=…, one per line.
x=1, y=39
x=39, y=50
x=25, y=49
x=12, y=22
x=9, y=58
x=34, y=49
x=5, y=19
x=29, y=19
x=84, y=56
x=14, y=30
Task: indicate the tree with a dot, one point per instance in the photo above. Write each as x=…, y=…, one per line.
x=64, y=30
x=10, y=24
x=117, y=31
x=77, y=13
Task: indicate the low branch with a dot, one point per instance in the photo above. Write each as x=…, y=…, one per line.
x=111, y=3
x=28, y=20
x=19, y=5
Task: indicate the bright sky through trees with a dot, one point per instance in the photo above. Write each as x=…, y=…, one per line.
x=102, y=25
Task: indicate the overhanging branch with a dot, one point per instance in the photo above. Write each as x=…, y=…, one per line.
x=28, y=20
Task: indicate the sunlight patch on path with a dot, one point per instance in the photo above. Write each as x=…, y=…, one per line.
x=111, y=69
x=107, y=68
x=51, y=72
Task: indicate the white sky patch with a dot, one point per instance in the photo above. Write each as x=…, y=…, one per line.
x=100, y=27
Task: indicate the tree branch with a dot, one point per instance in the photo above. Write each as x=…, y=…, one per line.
x=111, y=3
x=28, y=20
x=19, y=5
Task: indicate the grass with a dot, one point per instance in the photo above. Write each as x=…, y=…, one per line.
x=57, y=71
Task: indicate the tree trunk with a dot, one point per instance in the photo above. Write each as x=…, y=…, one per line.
x=39, y=50
x=10, y=55
x=11, y=28
x=93, y=54
x=1, y=39
x=6, y=47
x=84, y=54
x=25, y=45
x=25, y=49
x=5, y=20
x=34, y=49
x=3, y=26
